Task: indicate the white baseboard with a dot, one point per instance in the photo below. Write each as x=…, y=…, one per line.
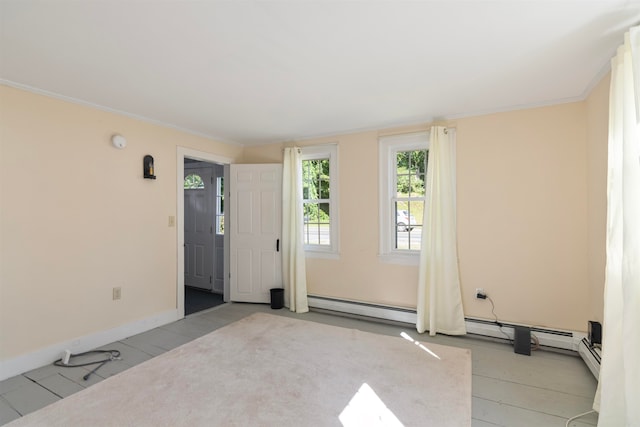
x=566, y=340
x=45, y=356
x=397, y=314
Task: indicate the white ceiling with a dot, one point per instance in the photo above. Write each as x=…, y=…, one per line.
x=254, y=72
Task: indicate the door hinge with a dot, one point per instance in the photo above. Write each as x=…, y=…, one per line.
x=210, y=279
x=211, y=230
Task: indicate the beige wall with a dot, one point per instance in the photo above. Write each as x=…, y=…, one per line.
x=78, y=219
x=522, y=218
x=357, y=275
x=598, y=128
x=522, y=200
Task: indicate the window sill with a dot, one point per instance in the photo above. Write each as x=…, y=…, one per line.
x=321, y=254
x=402, y=259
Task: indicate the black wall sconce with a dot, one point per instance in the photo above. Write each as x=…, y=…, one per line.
x=147, y=167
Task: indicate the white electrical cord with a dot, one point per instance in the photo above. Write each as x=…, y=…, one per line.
x=578, y=416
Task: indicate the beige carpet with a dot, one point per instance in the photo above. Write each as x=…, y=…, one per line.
x=268, y=370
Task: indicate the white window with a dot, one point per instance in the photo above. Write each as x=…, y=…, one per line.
x=220, y=205
x=403, y=172
x=320, y=199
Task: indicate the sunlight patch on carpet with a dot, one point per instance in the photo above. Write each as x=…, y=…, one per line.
x=419, y=344
x=367, y=409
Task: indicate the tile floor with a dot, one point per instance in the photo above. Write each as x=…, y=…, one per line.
x=544, y=389
x=196, y=300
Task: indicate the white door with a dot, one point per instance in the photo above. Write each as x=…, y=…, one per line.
x=255, y=228
x=198, y=228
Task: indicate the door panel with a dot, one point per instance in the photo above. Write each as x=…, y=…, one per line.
x=256, y=262
x=198, y=229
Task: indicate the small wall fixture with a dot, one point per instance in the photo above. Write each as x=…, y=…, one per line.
x=147, y=167
x=118, y=141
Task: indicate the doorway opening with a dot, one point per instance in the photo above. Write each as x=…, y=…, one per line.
x=203, y=245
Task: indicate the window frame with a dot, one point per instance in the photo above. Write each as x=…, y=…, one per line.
x=219, y=205
x=326, y=151
x=389, y=146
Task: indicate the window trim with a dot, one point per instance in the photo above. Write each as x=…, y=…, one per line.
x=388, y=147
x=325, y=151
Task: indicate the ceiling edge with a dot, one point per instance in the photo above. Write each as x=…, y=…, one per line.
x=72, y=100
x=415, y=122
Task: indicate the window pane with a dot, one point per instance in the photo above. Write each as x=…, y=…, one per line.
x=408, y=224
x=403, y=182
x=312, y=234
x=410, y=173
x=402, y=158
x=219, y=205
x=324, y=223
x=310, y=211
x=316, y=187
x=418, y=186
x=317, y=223
x=323, y=212
x=193, y=182
x=409, y=204
x=324, y=189
x=311, y=224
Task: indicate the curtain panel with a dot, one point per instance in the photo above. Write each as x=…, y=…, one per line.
x=619, y=383
x=294, y=274
x=439, y=305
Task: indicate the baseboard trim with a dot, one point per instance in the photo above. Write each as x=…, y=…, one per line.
x=45, y=356
x=559, y=339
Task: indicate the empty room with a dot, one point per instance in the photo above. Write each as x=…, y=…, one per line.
x=314, y=213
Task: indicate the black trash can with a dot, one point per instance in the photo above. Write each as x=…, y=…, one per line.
x=277, y=298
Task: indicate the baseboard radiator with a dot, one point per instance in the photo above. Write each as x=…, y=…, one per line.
x=591, y=356
x=565, y=340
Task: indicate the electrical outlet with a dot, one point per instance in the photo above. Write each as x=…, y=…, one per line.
x=117, y=293
x=172, y=221
x=480, y=294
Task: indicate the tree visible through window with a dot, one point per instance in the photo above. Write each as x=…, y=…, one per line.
x=403, y=169
x=316, y=201
x=193, y=182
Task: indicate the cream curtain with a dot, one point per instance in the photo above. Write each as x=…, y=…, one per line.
x=618, y=395
x=294, y=273
x=439, y=300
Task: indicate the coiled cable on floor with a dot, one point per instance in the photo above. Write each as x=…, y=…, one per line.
x=113, y=355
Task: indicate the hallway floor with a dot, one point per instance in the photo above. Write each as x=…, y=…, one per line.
x=196, y=300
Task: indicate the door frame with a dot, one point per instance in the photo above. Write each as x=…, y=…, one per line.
x=182, y=153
